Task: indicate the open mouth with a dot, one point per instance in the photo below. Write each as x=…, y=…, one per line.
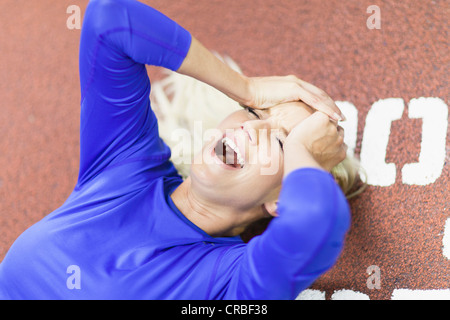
x=227, y=151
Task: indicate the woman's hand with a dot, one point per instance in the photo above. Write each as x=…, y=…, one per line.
x=269, y=91
x=315, y=142
x=259, y=93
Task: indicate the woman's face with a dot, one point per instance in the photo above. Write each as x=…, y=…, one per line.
x=242, y=164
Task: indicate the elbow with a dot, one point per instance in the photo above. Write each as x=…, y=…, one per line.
x=326, y=250
x=316, y=224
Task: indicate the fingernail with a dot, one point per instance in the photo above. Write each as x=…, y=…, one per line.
x=337, y=117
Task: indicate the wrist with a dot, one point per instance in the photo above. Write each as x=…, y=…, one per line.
x=299, y=157
x=246, y=97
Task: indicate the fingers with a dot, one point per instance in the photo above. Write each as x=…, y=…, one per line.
x=340, y=131
x=319, y=100
x=320, y=117
x=270, y=91
x=321, y=137
x=338, y=134
x=342, y=154
x=338, y=146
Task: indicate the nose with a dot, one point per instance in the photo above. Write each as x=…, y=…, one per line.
x=256, y=128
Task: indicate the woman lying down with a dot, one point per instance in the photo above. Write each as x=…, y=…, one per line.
x=134, y=228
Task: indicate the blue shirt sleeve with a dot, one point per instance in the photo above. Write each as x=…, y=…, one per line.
x=120, y=37
x=299, y=245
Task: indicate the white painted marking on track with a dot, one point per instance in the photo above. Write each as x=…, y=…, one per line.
x=375, y=141
x=434, y=114
x=311, y=294
x=349, y=295
x=350, y=126
x=408, y=294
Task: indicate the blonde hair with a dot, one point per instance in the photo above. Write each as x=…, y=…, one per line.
x=185, y=105
x=350, y=176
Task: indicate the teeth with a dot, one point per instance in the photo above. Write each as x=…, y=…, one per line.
x=233, y=146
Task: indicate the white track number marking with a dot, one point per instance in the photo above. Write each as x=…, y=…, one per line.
x=375, y=141
x=434, y=114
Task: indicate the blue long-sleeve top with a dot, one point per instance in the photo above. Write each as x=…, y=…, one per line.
x=119, y=235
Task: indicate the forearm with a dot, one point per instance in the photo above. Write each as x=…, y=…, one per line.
x=202, y=65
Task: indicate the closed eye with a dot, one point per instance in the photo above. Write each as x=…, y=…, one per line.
x=252, y=111
x=281, y=143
